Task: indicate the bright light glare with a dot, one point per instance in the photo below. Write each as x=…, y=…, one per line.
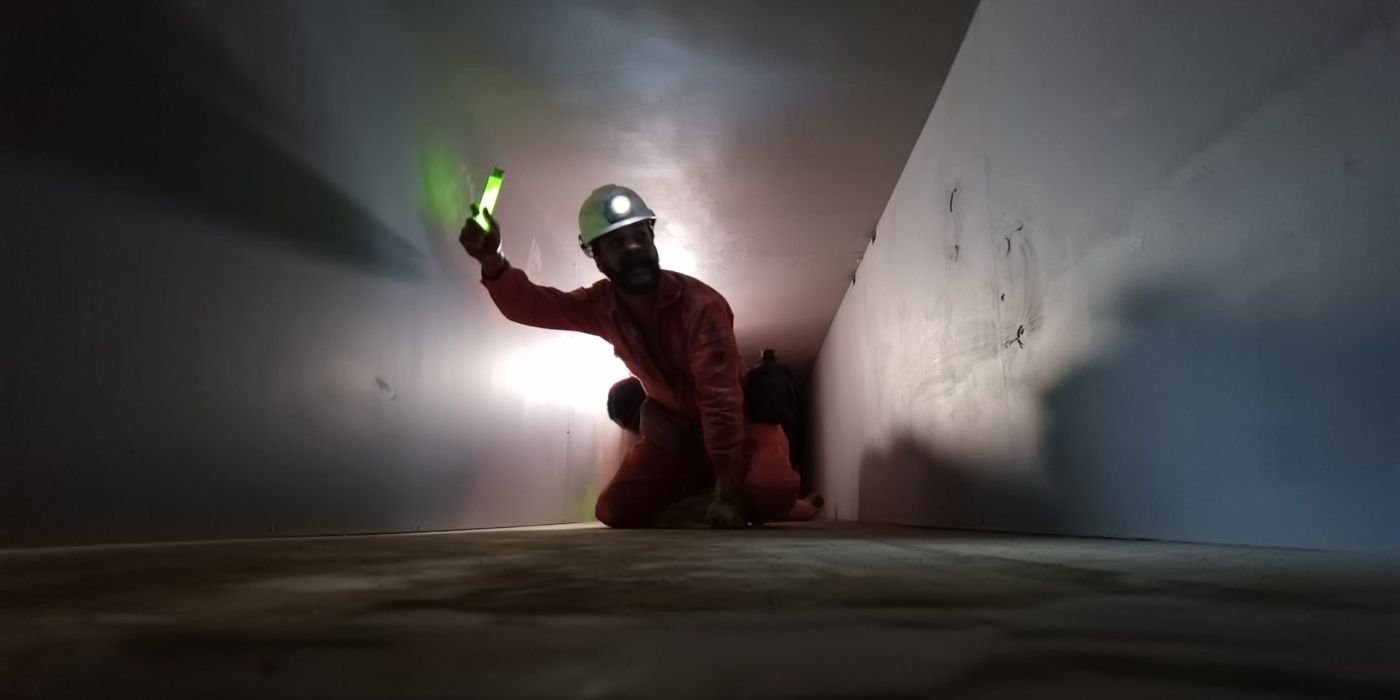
x=673, y=244
x=678, y=259
x=567, y=369
x=620, y=205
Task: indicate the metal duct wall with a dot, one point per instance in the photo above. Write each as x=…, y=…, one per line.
x=1138, y=279
x=233, y=300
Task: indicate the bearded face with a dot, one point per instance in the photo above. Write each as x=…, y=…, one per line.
x=628, y=258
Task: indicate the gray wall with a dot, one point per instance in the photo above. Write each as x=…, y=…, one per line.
x=1139, y=278
x=225, y=311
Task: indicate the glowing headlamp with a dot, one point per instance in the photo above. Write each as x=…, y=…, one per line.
x=619, y=206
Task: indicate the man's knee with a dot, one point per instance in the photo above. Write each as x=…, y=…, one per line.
x=616, y=511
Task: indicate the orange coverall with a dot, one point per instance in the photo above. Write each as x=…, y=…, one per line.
x=693, y=425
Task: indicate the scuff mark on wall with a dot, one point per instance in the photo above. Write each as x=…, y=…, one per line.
x=955, y=226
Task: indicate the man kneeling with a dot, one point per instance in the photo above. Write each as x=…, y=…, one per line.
x=769, y=455
x=698, y=461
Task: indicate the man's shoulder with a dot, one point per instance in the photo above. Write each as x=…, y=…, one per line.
x=597, y=291
x=695, y=292
x=701, y=309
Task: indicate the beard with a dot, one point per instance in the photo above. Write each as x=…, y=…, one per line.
x=638, y=273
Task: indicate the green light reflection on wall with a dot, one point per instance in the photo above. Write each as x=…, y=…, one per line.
x=445, y=182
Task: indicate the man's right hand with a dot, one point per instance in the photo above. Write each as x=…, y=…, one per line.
x=723, y=509
x=482, y=245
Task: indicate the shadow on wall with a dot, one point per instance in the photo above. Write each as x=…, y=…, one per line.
x=913, y=481
x=140, y=95
x=1264, y=430
x=1194, y=427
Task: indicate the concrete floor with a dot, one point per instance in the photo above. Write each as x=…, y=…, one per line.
x=812, y=611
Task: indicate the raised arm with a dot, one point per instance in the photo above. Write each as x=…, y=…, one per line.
x=518, y=298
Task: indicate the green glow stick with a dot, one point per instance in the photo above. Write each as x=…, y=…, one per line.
x=488, y=198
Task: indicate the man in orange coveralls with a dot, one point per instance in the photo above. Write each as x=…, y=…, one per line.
x=699, y=462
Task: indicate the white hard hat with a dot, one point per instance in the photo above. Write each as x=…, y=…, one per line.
x=608, y=209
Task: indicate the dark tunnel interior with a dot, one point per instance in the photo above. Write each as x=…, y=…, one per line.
x=1084, y=315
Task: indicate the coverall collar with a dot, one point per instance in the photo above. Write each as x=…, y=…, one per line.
x=668, y=291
